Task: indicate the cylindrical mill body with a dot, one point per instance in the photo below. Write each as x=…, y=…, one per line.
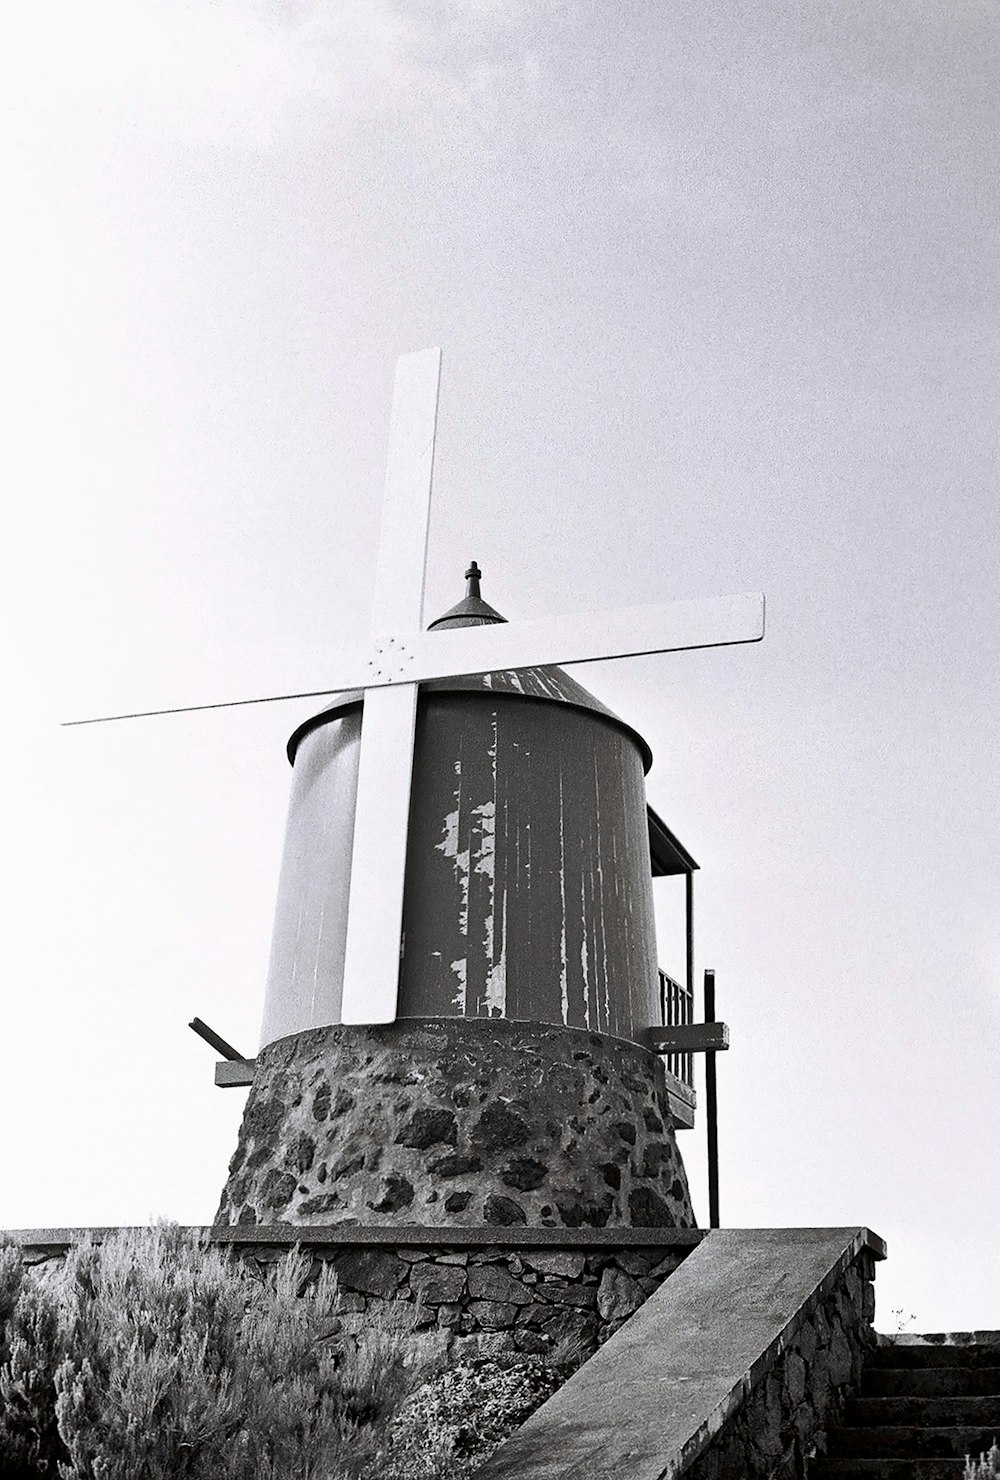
x=528, y=885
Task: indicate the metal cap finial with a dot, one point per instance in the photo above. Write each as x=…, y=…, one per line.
x=472, y=610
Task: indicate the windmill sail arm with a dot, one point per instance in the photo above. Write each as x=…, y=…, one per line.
x=581, y=638
x=106, y=719
x=593, y=636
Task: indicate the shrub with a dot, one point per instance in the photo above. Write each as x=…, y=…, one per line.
x=30, y=1352
x=986, y=1467
x=151, y=1356
x=450, y=1425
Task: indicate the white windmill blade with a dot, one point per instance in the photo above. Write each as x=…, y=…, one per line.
x=592, y=636
x=398, y=602
x=583, y=637
x=378, y=860
x=385, y=764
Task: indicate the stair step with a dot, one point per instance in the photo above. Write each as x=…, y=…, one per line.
x=905, y=1441
x=930, y=1382
x=887, y=1469
x=932, y=1412
x=977, y=1354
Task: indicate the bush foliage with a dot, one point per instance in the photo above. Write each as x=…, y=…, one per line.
x=151, y=1355
x=450, y=1425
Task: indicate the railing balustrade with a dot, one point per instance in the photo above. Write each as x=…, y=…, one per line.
x=677, y=1010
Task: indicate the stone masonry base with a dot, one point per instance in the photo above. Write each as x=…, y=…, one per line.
x=457, y=1122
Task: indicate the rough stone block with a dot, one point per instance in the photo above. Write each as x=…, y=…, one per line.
x=503, y=1212
x=868, y=1308
x=581, y=1296
x=530, y=1342
x=840, y=1359
x=428, y=1127
x=618, y=1295
x=557, y=1262
x=571, y=1326
x=795, y=1378
x=434, y=1284
x=375, y=1271
x=807, y=1343
x=634, y=1262
x=821, y=1325
x=491, y=1315
x=487, y=1282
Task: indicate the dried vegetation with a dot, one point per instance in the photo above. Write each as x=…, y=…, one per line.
x=150, y=1355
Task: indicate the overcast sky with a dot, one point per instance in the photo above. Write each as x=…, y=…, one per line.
x=717, y=290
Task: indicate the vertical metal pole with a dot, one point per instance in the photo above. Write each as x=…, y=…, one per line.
x=689, y=924
x=711, y=1110
x=688, y=1060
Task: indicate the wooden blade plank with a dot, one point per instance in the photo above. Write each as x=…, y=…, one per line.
x=583, y=638
x=580, y=638
x=399, y=580
x=378, y=862
x=108, y=719
x=591, y=636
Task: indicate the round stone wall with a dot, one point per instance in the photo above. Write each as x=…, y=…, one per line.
x=450, y=1122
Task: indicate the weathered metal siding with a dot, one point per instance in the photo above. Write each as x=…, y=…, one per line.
x=528, y=890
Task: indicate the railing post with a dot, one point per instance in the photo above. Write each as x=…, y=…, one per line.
x=711, y=1110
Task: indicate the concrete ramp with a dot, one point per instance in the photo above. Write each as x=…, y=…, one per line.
x=656, y=1395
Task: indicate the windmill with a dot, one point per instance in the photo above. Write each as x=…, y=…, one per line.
x=399, y=656
x=345, y=883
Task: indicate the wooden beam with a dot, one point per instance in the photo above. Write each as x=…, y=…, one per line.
x=214, y=1039
x=682, y=1101
x=689, y=1038
x=234, y=1073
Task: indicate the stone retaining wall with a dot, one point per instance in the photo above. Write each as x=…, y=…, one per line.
x=492, y=1302
x=471, y=1297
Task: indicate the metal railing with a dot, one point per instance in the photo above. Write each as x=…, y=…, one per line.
x=676, y=1010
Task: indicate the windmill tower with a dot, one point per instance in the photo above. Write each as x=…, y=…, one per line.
x=463, y=998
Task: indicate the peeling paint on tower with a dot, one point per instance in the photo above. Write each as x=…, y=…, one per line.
x=527, y=811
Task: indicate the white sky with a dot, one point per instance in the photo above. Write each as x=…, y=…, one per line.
x=717, y=288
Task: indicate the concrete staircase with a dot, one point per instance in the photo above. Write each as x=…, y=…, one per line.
x=924, y=1405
